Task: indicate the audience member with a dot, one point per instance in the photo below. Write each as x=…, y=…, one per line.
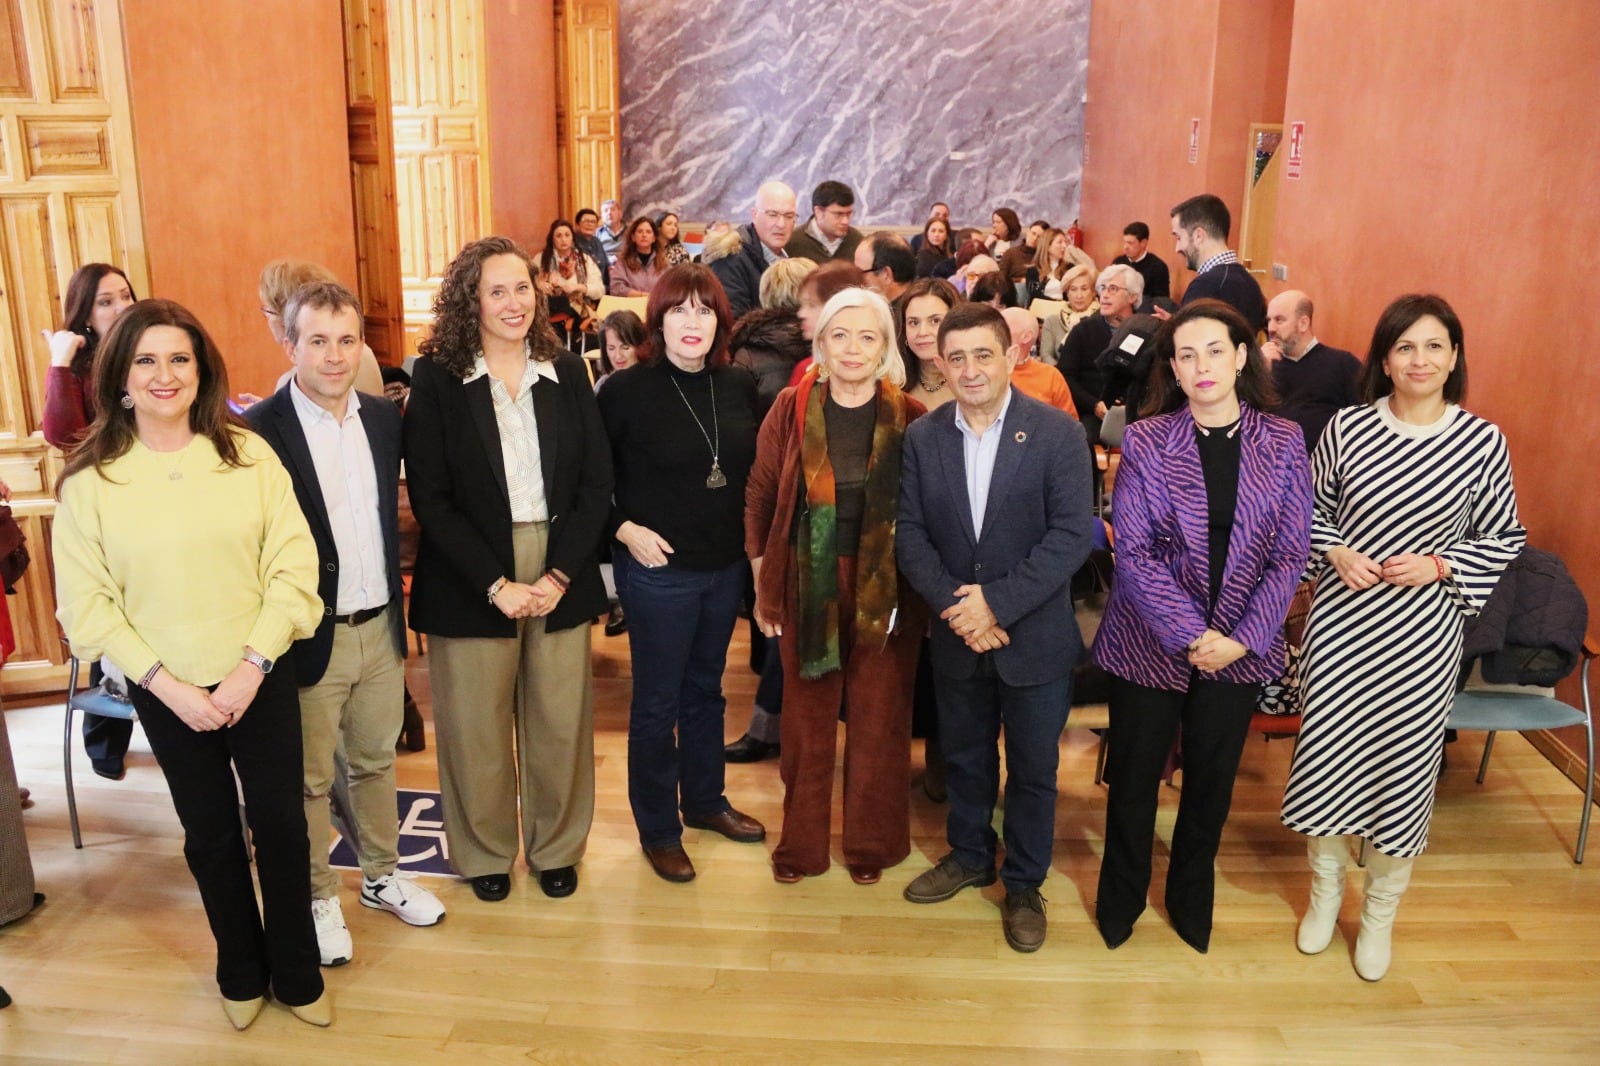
x=1153, y=268
x=97, y=294
x=510, y=479
x=166, y=474
x=769, y=341
x=918, y=313
x=932, y=246
x=641, y=261
x=682, y=426
x=819, y=529
x=1200, y=227
x=941, y=211
x=993, y=289
x=888, y=262
x=1003, y=660
x=570, y=279
x=1079, y=297
x=610, y=232
x=1193, y=629
x=1416, y=518
x=621, y=336
x=758, y=244
x=588, y=241
x=1005, y=230
x=1047, y=273
x=667, y=232
x=828, y=235
x=1313, y=380
x=1029, y=375
x=342, y=452
x=1016, y=260
x=1119, y=291
x=279, y=281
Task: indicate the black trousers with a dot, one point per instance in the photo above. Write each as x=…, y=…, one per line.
x=1215, y=718
x=275, y=945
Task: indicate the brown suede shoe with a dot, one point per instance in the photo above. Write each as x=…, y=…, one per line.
x=1024, y=919
x=671, y=863
x=731, y=824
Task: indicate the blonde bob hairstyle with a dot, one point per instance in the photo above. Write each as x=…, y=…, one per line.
x=890, y=365
x=780, y=283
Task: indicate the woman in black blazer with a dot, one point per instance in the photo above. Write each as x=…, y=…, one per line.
x=509, y=474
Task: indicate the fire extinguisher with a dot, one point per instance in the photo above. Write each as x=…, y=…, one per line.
x=1075, y=234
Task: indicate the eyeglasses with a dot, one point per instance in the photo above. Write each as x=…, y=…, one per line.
x=1111, y=289
x=779, y=216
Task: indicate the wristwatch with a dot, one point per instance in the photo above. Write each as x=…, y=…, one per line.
x=259, y=661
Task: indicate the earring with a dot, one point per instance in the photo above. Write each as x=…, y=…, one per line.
x=1239, y=373
x=127, y=402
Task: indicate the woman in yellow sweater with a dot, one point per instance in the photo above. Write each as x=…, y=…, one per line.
x=182, y=555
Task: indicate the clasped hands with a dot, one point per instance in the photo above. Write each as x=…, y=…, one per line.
x=1212, y=651
x=204, y=711
x=518, y=600
x=1359, y=571
x=971, y=619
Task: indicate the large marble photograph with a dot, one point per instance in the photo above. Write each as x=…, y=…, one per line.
x=978, y=105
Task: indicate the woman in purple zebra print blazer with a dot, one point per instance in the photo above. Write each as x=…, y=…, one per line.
x=1212, y=514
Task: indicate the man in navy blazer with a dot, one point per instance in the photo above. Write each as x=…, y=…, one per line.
x=994, y=521
x=342, y=451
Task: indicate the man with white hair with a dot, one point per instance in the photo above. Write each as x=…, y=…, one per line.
x=1312, y=379
x=761, y=243
x=1120, y=288
x=1039, y=380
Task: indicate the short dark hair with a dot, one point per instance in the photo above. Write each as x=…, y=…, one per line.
x=1255, y=380
x=1137, y=230
x=585, y=212
x=673, y=288
x=832, y=194
x=1398, y=317
x=1207, y=212
x=324, y=296
x=975, y=316
x=1041, y=223
x=832, y=278
x=990, y=285
x=1013, y=223
x=890, y=250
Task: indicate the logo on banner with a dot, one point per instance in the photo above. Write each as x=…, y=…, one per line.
x=423, y=849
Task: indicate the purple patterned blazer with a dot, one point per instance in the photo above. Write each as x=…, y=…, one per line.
x=1158, y=600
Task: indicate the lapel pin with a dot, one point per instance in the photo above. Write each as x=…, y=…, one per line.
x=1022, y=438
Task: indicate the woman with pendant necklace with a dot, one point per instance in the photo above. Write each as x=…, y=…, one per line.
x=182, y=556
x=682, y=424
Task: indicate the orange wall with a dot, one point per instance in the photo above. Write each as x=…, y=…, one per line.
x=1154, y=65
x=1453, y=148
x=520, y=36
x=240, y=130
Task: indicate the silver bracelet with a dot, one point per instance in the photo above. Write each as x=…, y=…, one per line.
x=496, y=587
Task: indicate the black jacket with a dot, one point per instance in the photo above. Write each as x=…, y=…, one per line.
x=740, y=273
x=279, y=425
x=457, y=481
x=769, y=343
x=1530, y=631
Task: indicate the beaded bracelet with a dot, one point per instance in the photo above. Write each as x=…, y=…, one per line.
x=1438, y=565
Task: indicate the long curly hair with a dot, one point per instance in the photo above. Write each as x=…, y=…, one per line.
x=456, y=339
x=82, y=288
x=112, y=432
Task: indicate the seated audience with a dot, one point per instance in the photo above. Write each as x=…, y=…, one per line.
x=1028, y=374
x=1047, y=273
x=569, y=277
x=1313, y=380
x=887, y=261
x=640, y=261
x=941, y=211
x=1119, y=291
x=932, y=246
x=1078, y=294
x=621, y=336
x=828, y=235
x=1136, y=253
x=756, y=245
x=770, y=341
x=1005, y=230
x=586, y=237
x=667, y=232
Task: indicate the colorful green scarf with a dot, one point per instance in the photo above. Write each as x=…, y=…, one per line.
x=877, y=592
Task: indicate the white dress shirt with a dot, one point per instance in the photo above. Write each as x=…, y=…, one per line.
x=519, y=438
x=348, y=478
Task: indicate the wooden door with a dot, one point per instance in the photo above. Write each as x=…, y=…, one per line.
x=68, y=196
x=588, y=134
x=372, y=176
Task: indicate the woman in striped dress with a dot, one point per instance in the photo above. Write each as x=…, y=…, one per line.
x=1416, y=518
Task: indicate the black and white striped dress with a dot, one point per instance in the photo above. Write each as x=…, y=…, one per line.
x=1380, y=664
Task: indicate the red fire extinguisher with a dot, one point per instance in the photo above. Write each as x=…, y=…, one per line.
x=1075, y=234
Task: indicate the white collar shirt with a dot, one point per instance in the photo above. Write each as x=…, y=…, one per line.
x=519, y=438
x=348, y=478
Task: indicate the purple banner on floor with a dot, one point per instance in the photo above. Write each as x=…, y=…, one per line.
x=423, y=849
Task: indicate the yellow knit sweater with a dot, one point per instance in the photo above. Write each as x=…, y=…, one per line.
x=187, y=571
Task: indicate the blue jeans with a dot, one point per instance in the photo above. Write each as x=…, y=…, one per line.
x=971, y=712
x=679, y=626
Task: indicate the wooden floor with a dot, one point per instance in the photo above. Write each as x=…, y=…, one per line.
x=1497, y=954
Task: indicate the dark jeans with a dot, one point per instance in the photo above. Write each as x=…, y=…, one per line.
x=971, y=712
x=1215, y=717
x=276, y=945
x=679, y=625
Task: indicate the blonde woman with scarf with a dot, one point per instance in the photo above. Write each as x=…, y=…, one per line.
x=819, y=528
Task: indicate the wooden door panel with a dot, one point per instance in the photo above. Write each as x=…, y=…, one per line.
x=372, y=176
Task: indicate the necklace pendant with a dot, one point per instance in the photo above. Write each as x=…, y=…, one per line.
x=716, y=479
x=174, y=475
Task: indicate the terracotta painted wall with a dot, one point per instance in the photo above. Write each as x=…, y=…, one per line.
x=520, y=37
x=240, y=129
x=1154, y=65
x=1455, y=149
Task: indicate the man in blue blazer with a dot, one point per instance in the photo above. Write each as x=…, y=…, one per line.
x=994, y=521
x=342, y=451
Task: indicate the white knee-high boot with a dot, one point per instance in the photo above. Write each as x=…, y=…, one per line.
x=1329, y=858
x=1387, y=878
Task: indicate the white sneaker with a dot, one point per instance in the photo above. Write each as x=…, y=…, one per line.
x=333, y=936
x=403, y=898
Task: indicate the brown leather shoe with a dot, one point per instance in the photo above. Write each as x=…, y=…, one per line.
x=671, y=863
x=785, y=874
x=1024, y=919
x=731, y=824
x=864, y=875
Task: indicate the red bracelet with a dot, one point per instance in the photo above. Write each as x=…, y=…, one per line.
x=1438, y=565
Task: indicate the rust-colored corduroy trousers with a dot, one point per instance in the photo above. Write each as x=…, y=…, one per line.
x=875, y=686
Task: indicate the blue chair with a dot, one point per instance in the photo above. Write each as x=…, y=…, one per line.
x=1498, y=710
x=93, y=701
